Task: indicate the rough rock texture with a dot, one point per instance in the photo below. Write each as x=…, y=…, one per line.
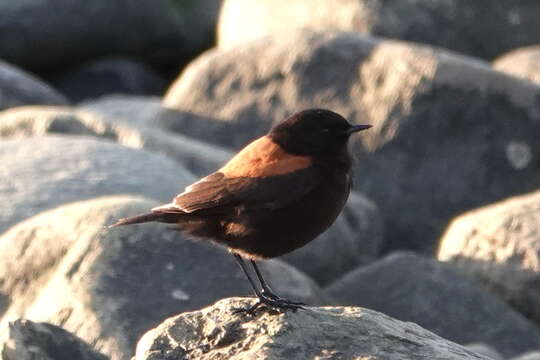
x=314, y=333
x=499, y=245
x=42, y=341
x=484, y=349
x=458, y=25
x=110, y=286
x=533, y=355
x=41, y=173
x=18, y=87
x=157, y=31
x=523, y=63
x=450, y=133
x=135, y=132
x=435, y=296
x=114, y=75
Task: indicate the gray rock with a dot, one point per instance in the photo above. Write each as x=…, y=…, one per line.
x=435, y=296
x=532, y=355
x=18, y=87
x=110, y=286
x=450, y=133
x=484, y=349
x=136, y=132
x=42, y=173
x=116, y=75
x=156, y=31
x=315, y=333
x=499, y=245
x=42, y=341
x=523, y=63
x=452, y=24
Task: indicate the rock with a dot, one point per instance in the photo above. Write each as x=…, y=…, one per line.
x=42, y=173
x=452, y=24
x=33, y=341
x=499, y=245
x=354, y=239
x=484, y=349
x=18, y=87
x=523, y=63
x=314, y=333
x=158, y=32
x=450, y=133
x=435, y=296
x=137, y=132
x=532, y=355
x=115, y=75
x=110, y=286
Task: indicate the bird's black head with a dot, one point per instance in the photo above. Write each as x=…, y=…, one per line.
x=314, y=132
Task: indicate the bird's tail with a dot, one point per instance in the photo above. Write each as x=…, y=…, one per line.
x=153, y=216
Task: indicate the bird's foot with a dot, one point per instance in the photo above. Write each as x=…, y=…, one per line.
x=270, y=295
x=272, y=302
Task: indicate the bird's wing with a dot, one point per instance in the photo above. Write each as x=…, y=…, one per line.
x=218, y=193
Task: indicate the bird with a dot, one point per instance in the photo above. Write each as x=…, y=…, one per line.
x=274, y=196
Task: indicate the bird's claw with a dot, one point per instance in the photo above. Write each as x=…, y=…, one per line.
x=271, y=302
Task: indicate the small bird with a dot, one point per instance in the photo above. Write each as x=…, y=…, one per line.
x=277, y=194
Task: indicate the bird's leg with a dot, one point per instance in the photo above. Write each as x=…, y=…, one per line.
x=275, y=303
x=266, y=290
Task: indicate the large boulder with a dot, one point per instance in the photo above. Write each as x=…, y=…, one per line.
x=58, y=33
x=450, y=133
x=436, y=296
x=142, y=131
x=110, y=286
x=18, y=87
x=314, y=333
x=41, y=341
x=44, y=172
x=452, y=24
x=523, y=63
x=499, y=245
x=114, y=75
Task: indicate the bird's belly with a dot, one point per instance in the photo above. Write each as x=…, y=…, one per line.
x=271, y=233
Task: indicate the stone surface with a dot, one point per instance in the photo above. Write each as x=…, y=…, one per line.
x=42, y=173
x=139, y=131
x=485, y=350
x=110, y=286
x=532, y=355
x=450, y=133
x=435, y=296
x=452, y=24
x=499, y=245
x=314, y=333
x=18, y=87
x=42, y=341
x=159, y=32
x=523, y=63
x=114, y=75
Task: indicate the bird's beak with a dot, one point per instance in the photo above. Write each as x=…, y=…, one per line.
x=356, y=128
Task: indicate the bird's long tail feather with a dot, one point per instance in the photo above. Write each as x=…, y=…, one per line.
x=153, y=216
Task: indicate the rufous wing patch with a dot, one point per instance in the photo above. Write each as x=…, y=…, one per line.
x=263, y=158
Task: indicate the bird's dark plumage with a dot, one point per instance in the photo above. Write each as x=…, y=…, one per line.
x=275, y=195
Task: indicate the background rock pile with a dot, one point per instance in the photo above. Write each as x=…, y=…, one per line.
x=108, y=108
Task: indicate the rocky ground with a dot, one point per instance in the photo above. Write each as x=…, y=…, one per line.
x=108, y=108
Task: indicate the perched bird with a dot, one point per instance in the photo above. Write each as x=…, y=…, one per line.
x=276, y=195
